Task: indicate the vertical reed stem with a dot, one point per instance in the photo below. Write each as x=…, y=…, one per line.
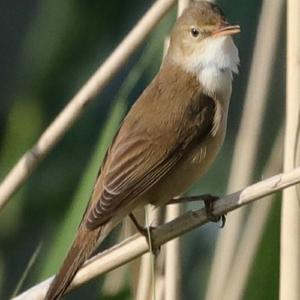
x=290, y=215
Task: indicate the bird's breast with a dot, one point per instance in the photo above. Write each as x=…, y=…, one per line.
x=216, y=81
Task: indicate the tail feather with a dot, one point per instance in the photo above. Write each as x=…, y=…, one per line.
x=81, y=249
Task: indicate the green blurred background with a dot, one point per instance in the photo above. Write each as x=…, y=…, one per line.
x=48, y=50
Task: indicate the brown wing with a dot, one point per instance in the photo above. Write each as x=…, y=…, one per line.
x=145, y=150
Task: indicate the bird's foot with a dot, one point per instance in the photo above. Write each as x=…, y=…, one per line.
x=208, y=200
x=209, y=205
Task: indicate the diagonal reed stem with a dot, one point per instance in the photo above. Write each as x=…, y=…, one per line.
x=51, y=136
x=137, y=245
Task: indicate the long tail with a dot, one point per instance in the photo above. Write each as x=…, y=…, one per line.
x=82, y=247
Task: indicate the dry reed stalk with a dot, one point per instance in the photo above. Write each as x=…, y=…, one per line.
x=159, y=275
x=148, y=263
x=135, y=266
x=297, y=158
x=254, y=229
x=137, y=245
x=173, y=272
x=181, y=6
x=160, y=288
x=144, y=283
x=115, y=281
x=30, y=160
x=247, y=141
x=290, y=214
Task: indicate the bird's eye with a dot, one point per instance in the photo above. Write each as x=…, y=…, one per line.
x=195, y=32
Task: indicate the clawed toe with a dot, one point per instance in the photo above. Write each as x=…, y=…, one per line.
x=209, y=203
x=217, y=219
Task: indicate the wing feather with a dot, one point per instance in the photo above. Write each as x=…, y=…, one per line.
x=143, y=153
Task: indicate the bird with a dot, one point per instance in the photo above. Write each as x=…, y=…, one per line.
x=170, y=136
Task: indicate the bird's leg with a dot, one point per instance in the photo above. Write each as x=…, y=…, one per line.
x=141, y=229
x=145, y=231
x=208, y=202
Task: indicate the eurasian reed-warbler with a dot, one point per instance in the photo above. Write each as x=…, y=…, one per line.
x=170, y=136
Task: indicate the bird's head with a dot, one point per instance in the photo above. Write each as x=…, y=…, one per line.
x=201, y=37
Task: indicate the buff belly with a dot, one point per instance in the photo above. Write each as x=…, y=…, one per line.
x=186, y=173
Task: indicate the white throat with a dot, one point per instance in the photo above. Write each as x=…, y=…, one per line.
x=215, y=64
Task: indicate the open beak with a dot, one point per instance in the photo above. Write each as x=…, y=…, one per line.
x=227, y=30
